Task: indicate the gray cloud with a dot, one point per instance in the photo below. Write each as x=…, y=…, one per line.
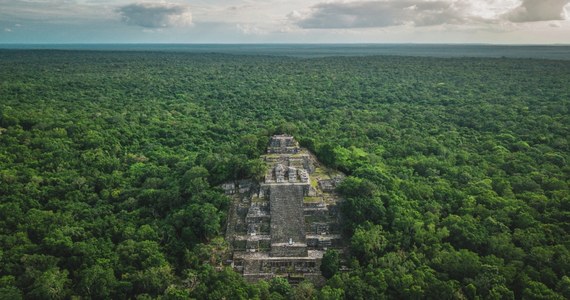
x=385, y=13
x=156, y=15
x=538, y=10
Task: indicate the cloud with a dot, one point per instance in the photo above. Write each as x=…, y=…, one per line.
x=249, y=29
x=156, y=15
x=385, y=13
x=538, y=10
x=54, y=11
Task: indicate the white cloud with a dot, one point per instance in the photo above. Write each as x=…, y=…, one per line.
x=53, y=11
x=538, y=10
x=156, y=15
x=385, y=13
x=250, y=29
x=295, y=15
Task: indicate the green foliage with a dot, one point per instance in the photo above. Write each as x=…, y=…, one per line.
x=537, y=290
x=51, y=284
x=280, y=286
x=368, y=242
x=328, y=293
x=357, y=187
x=97, y=282
x=361, y=284
x=330, y=263
x=304, y=291
x=110, y=162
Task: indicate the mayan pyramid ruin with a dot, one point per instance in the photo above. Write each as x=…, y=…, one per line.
x=283, y=225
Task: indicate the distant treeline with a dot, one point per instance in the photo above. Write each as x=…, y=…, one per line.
x=555, y=52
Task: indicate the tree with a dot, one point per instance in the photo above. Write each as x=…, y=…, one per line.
x=222, y=284
x=354, y=187
x=153, y=280
x=327, y=155
x=458, y=264
x=358, y=210
x=97, y=282
x=466, y=232
x=7, y=289
x=196, y=223
x=330, y=263
x=10, y=293
x=368, y=242
x=304, y=291
x=329, y=293
x=563, y=287
x=281, y=286
x=195, y=181
x=51, y=284
x=538, y=291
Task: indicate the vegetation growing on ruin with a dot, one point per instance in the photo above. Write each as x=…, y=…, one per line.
x=110, y=162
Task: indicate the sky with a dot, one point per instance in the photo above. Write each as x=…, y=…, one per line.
x=285, y=21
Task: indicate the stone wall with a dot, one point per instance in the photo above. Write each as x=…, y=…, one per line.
x=285, y=250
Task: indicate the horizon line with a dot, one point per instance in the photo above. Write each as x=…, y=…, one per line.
x=287, y=43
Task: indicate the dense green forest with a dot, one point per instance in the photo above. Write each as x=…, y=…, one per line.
x=110, y=162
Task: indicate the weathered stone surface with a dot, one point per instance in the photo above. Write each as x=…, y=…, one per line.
x=287, y=219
